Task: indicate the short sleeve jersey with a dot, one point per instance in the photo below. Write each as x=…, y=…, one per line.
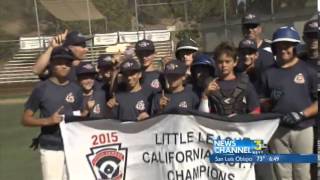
x=150, y=82
x=131, y=104
x=290, y=89
x=100, y=109
x=48, y=97
x=186, y=99
x=100, y=85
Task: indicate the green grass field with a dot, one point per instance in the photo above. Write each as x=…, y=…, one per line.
x=17, y=160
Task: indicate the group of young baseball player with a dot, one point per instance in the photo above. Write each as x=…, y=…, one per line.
x=256, y=76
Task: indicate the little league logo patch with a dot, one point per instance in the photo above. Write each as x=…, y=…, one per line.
x=155, y=84
x=108, y=59
x=171, y=66
x=140, y=106
x=250, y=16
x=108, y=162
x=143, y=44
x=88, y=66
x=183, y=104
x=299, y=79
x=70, y=98
x=127, y=65
x=313, y=24
x=248, y=42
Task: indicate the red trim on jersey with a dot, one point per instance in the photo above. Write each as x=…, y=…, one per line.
x=256, y=110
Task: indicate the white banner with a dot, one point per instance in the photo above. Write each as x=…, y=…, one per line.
x=166, y=147
x=34, y=42
x=105, y=39
x=158, y=36
x=155, y=36
x=130, y=37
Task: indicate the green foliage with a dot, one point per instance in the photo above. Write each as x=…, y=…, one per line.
x=202, y=9
x=193, y=34
x=118, y=13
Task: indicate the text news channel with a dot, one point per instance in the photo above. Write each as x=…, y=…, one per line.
x=253, y=151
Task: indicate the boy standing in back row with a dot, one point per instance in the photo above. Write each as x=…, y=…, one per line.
x=132, y=104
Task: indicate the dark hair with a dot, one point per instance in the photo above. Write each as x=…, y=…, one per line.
x=225, y=48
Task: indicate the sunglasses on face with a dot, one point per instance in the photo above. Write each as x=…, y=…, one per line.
x=144, y=53
x=83, y=45
x=250, y=26
x=247, y=51
x=87, y=76
x=311, y=35
x=60, y=62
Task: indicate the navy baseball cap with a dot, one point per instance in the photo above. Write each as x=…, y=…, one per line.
x=62, y=53
x=75, y=38
x=85, y=68
x=144, y=46
x=105, y=60
x=130, y=65
x=175, y=67
x=311, y=26
x=250, y=19
x=248, y=44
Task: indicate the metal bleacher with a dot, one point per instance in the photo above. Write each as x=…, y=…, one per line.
x=19, y=68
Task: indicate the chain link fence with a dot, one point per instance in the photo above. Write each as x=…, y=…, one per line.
x=207, y=21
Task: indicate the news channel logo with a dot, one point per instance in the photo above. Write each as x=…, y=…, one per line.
x=238, y=146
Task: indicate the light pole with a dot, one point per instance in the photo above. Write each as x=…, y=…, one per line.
x=186, y=18
x=37, y=20
x=106, y=23
x=136, y=11
x=225, y=18
x=89, y=17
